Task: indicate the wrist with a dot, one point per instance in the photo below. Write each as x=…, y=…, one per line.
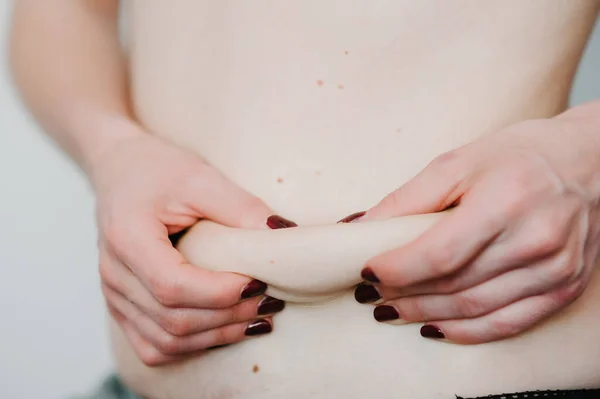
x=99, y=135
x=581, y=130
x=588, y=112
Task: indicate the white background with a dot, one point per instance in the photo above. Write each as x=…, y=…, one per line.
x=53, y=340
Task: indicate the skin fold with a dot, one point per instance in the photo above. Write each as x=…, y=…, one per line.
x=301, y=264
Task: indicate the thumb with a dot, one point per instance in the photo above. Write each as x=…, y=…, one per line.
x=434, y=189
x=217, y=198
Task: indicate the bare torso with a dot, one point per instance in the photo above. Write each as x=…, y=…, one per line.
x=321, y=108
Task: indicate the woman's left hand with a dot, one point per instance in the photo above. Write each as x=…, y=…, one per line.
x=520, y=244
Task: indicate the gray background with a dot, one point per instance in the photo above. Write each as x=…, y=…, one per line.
x=53, y=339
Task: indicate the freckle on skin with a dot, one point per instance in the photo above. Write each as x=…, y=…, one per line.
x=320, y=83
x=341, y=87
x=255, y=369
x=398, y=130
x=346, y=52
x=272, y=262
x=318, y=173
x=280, y=180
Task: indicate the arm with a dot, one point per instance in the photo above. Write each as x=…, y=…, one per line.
x=68, y=65
x=67, y=61
x=522, y=243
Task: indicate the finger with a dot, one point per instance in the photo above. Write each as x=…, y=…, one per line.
x=505, y=322
x=169, y=344
x=217, y=198
x=143, y=246
x=185, y=321
x=147, y=353
x=443, y=249
x=434, y=189
x=543, y=233
x=482, y=299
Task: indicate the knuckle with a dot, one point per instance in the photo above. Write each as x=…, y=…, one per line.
x=577, y=289
x=219, y=336
x=547, y=242
x=512, y=201
x=227, y=334
x=150, y=357
x=115, y=234
x=566, y=269
x=445, y=160
x=546, y=237
x=569, y=293
x=106, y=292
x=468, y=305
x=253, y=204
x=411, y=309
x=441, y=260
x=504, y=328
x=252, y=212
x=231, y=315
x=513, y=194
x=176, y=322
x=168, y=344
x=392, y=200
x=104, y=270
x=165, y=290
x=447, y=286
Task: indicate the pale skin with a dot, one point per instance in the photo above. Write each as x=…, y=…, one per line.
x=146, y=188
x=522, y=243
x=462, y=271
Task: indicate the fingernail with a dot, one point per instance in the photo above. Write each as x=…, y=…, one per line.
x=217, y=347
x=352, y=218
x=385, y=313
x=278, y=222
x=367, y=274
x=270, y=305
x=253, y=288
x=258, y=327
x=365, y=293
x=431, y=331
x=175, y=237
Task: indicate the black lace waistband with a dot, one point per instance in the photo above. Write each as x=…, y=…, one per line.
x=567, y=394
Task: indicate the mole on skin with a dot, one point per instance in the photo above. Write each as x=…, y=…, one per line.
x=320, y=83
x=255, y=369
x=280, y=180
x=341, y=87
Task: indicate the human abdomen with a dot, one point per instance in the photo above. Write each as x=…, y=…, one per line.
x=321, y=112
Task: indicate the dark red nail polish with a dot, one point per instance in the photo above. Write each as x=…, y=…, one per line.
x=431, y=331
x=385, y=313
x=367, y=274
x=217, y=347
x=352, y=218
x=258, y=327
x=253, y=288
x=270, y=305
x=365, y=293
x=175, y=237
x=277, y=222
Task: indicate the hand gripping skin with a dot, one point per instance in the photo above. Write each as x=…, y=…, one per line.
x=302, y=264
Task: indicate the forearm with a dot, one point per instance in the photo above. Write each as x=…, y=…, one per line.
x=69, y=67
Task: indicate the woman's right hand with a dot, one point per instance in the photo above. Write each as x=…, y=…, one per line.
x=146, y=191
